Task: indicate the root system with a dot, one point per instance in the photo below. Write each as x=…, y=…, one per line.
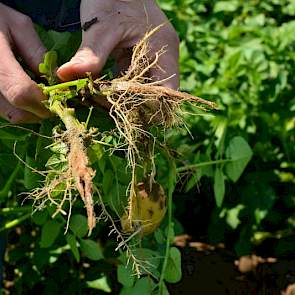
x=136, y=103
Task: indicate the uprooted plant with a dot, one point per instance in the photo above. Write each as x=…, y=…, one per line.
x=136, y=104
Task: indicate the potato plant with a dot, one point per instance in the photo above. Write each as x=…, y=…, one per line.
x=231, y=174
x=75, y=167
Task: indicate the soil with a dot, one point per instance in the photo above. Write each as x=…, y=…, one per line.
x=211, y=269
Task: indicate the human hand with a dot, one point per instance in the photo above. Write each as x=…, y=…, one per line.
x=20, y=97
x=120, y=25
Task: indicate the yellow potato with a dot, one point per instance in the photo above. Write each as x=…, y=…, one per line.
x=149, y=206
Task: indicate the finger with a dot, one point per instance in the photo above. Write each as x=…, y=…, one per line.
x=14, y=115
x=16, y=86
x=27, y=41
x=167, y=69
x=97, y=44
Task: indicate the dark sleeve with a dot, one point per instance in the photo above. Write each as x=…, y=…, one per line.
x=59, y=15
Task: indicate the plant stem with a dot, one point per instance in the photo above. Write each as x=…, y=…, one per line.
x=171, y=186
x=193, y=166
x=15, y=210
x=67, y=115
x=14, y=222
x=47, y=89
x=4, y=192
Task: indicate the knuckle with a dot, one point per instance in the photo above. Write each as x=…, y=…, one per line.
x=23, y=21
x=36, y=54
x=19, y=93
x=15, y=117
x=168, y=36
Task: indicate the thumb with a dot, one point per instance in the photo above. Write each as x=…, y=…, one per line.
x=97, y=44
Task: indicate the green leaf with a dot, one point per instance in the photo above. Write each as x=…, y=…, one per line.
x=50, y=232
x=7, y=163
x=71, y=240
x=95, y=152
x=193, y=181
x=79, y=226
x=232, y=215
x=240, y=154
x=173, y=270
x=125, y=275
x=144, y=286
x=47, y=68
x=40, y=217
x=59, y=148
x=91, y=249
x=13, y=134
x=219, y=186
x=42, y=153
x=31, y=177
x=9, y=180
x=100, y=284
x=163, y=291
x=57, y=161
x=64, y=43
x=150, y=260
x=107, y=182
x=228, y=6
x=159, y=236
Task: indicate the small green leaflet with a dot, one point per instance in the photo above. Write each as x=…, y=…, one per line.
x=232, y=215
x=91, y=249
x=143, y=286
x=40, y=217
x=219, y=186
x=78, y=224
x=48, y=67
x=50, y=232
x=100, y=284
x=125, y=275
x=150, y=260
x=71, y=240
x=173, y=270
x=240, y=153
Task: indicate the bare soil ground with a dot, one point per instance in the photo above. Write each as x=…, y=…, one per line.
x=211, y=269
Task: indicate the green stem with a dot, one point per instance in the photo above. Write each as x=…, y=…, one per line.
x=14, y=222
x=171, y=185
x=4, y=192
x=193, y=166
x=67, y=115
x=47, y=89
x=15, y=210
x=88, y=117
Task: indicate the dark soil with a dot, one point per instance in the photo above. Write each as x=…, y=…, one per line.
x=209, y=270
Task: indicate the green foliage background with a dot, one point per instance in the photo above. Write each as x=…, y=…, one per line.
x=235, y=166
x=241, y=55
